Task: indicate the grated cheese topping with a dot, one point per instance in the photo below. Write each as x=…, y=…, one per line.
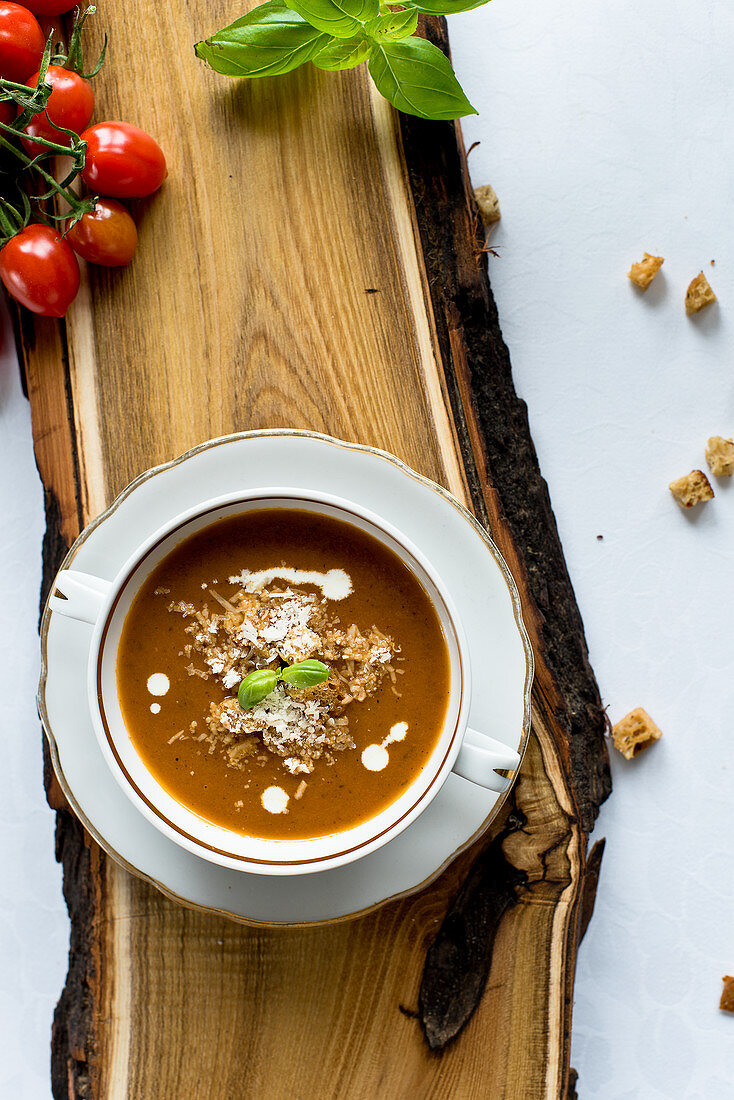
x=264, y=628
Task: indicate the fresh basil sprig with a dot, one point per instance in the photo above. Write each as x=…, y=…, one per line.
x=268, y=41
x=411, y=74
x=277, y=37
x=260, y=683
x=338, y=18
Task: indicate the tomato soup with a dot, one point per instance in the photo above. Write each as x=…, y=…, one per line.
x=345, y=652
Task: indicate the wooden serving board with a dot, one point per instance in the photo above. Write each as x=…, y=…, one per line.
x=314, y=261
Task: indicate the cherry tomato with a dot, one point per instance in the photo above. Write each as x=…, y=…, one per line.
x=21, y=42
x=40, y=270
x=108, y=236
x=50, y=7
x=70, y=105
x=122, y=160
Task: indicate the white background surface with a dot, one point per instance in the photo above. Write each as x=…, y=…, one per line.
x=606, y=131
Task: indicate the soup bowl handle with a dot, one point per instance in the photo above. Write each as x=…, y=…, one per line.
x=480, y=756
x=81, y=595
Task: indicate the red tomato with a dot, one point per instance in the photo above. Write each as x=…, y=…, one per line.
x=122, y=160
x=40, y=270
x=70, y=105
x=21, y=42
x=108, y=236
x=7, y=111
x=50, y=7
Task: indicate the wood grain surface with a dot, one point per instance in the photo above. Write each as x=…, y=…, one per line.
x=314, y=262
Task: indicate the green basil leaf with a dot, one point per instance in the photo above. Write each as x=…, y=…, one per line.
x=340, y=18
x=393, y=25
x=343, y=53
x=270, y=40
x=444, y=7
x=305, y=674
x=255, y=687
x=418, y=79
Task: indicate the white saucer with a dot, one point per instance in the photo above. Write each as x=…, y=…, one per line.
x=489, y=606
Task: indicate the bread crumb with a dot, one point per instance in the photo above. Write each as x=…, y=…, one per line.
x=699, y=294
x=694, y=488
x=488, y=203
x=726, y=1004
x=643, y=273
x=635, y=732
x=720, y=456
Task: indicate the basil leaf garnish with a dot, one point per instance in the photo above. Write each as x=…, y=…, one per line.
x=305, y=674
x=255, y=687
x=418, y=79
x=260, y=683
x=268, y=41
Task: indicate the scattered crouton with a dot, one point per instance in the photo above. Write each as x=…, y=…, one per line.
x=488, y=204
x=692, y=489
x=699, y=294
x=635, y=732
x=726, y=1004
x=720, y=456
x=643, y=273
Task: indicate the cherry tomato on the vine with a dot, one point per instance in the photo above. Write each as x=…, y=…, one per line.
x=122, y=160
x=21, y=42
x=70, y=105
x=40, y=270
x=50, y=7
x=107, y=236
